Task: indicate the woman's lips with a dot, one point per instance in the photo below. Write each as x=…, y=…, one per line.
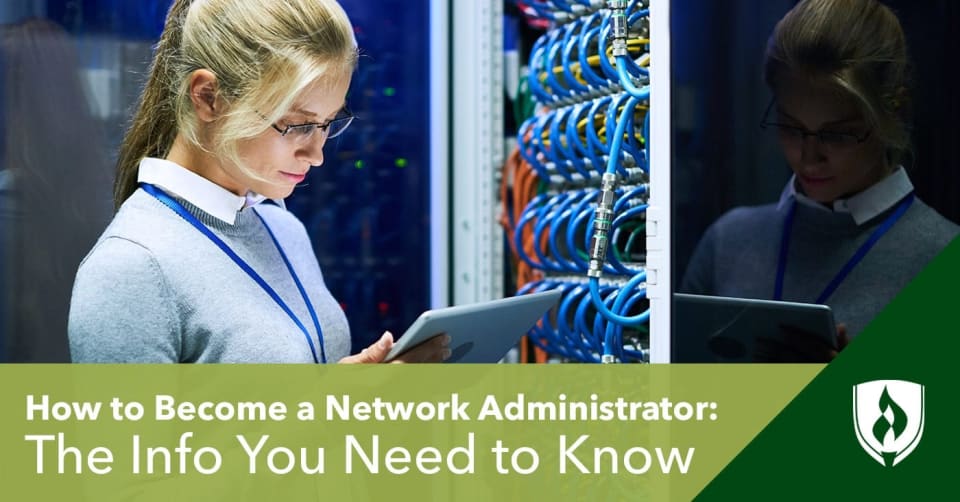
x=295, y=178
x=815, y=180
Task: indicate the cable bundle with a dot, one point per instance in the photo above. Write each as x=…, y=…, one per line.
x=576, y=332
x=574, y=224
x=560, y=221
x=571, y=144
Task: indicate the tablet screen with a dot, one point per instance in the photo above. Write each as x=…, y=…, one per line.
x=709, y=329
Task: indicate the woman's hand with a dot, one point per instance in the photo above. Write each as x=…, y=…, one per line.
x=842, y=340
x=433, y=350
x=795, y=345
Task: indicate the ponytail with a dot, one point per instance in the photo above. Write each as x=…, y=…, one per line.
x=264, y=54
x=154, y=126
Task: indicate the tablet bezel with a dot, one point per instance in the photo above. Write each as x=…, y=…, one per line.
x=507, y=319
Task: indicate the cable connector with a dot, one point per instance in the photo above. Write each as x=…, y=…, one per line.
x=616, y=5
x=601, y=225
x=619, y=46
x=618, y=26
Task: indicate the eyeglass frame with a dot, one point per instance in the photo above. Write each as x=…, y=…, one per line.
x=320, y=125
x=804, y=132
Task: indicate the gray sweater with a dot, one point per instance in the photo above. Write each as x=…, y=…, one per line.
x=154, y=289
x=738, y=256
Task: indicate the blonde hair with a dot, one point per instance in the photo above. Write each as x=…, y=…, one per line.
x=860, y=47
x=264, y=53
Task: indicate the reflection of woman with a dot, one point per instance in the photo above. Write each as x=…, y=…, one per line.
x=848, y=231
x=53, y=187
x=195, y=267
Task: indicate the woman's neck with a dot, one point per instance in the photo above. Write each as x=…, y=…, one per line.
x=203, y=163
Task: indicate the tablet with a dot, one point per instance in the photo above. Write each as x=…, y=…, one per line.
x=708, y=329
x=480, y=332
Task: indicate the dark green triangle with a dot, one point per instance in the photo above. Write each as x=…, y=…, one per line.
x=810, y=451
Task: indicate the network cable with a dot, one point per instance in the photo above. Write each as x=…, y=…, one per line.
x=587, y=143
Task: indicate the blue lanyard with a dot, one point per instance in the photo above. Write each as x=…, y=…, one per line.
x=180, y=210
x=857, y=257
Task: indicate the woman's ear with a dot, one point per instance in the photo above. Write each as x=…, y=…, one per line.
x=203, y=94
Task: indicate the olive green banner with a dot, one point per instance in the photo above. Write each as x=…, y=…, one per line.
x=434, y=432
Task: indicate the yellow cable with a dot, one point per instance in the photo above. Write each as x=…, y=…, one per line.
x=594, y=60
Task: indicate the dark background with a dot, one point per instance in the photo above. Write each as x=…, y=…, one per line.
x=722, y=159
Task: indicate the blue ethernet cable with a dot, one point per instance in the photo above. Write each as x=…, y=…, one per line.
x=585, y=69
x=569, y=43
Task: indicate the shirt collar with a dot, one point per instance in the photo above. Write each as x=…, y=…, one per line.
x=863, y=206
x=197, y=190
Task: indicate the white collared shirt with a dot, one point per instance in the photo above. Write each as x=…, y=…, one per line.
x=197, y=190
x=862, y=206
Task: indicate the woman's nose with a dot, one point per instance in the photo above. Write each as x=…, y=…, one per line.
x=312, y=152
x=811, y=150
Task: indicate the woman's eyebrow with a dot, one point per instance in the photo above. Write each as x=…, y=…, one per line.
x=839, y=121
x=310, y=114
x=843, y=121
x=304, y=112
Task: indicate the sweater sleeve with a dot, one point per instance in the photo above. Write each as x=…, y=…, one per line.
x=122, y=310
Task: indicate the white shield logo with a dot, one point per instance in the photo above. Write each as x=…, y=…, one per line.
x=888, y=418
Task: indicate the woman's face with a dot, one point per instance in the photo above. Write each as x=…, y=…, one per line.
x=845, y=158
x=284, y=161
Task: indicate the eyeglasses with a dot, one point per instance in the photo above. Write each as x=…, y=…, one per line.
x=330, y=129
x=835, y=140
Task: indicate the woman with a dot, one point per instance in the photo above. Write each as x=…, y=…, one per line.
x=848, y=230
x=197, y=265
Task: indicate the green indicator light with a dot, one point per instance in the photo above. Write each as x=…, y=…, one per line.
x=389, y=91
x=358, y=164
x=401, y=162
